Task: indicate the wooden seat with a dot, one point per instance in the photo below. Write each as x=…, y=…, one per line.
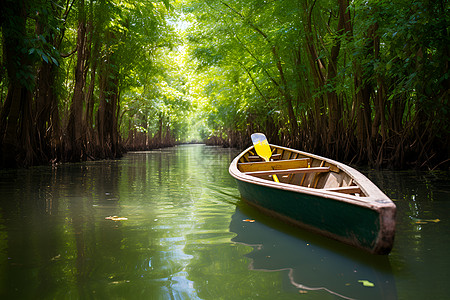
x=345, y=189
x=289, y=171
x=256, y=158
x=273, y=165
x=276, y=156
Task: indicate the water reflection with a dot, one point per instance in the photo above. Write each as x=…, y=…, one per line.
x=311, y=264
x=56, y=240
x=420, y=255
x=176, y=242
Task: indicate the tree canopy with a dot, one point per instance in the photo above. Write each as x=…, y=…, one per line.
x=360, y=81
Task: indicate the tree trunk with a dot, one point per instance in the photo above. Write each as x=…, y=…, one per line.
x=108, y=140
x=46, y=114
x=101, y=112
x=88, y=117
x=283, y=87
x=16, y=138
x=335, y=129
x=317, y=70
x=76, y=128
x=363, y=92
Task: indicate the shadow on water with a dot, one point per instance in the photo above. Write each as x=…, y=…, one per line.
x=311, y=264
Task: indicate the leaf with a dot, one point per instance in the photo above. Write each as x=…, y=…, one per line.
x=54, y=60
x=425, y=221
x=56, y=257
x=116, y=218
x=45, y=58
x=434, y=221
x=366, y=283
x=167, y=4
x=39, y=52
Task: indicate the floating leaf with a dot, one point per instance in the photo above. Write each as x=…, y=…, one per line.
x=116, y=218
x=119, y=282
x=366, y=283
x=56, y=257
x=425, y=221
x=248, y=220
x=434, y=221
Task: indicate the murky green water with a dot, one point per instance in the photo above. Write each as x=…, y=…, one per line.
x=182, y=232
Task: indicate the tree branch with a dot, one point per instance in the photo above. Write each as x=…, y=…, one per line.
x=70, y=53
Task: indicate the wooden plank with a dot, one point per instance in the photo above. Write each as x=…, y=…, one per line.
x=273, y=165
x=290, y=171
x=333, y=180
x=276, y=156
x=345, y=189
x=316, y=178
x=291, y=176
x=332, y=167
x=253, y=158
x=303, y=179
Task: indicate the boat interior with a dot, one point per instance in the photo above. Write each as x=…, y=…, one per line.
x=294, y=168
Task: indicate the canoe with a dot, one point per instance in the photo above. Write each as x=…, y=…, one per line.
x=317, y=194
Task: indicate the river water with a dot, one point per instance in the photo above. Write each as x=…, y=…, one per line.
x=169, y=224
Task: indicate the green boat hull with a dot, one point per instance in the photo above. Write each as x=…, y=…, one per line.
x=340, y=220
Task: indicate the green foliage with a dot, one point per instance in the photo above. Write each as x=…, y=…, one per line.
x=261, y=57
x=317, y=74
x=414, y=38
